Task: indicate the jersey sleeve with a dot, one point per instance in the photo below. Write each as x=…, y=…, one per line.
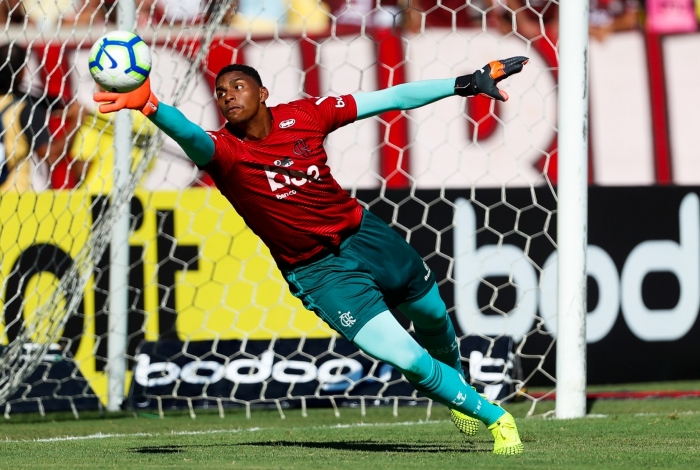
x=331, y=112
x=224, y=154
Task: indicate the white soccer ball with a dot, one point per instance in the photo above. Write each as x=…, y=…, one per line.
x=120, y=61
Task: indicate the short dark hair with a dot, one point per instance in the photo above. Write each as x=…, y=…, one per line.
x=12, y=58
x=244, y=69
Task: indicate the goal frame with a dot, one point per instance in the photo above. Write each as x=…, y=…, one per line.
x=571, y=228
x=572, y=210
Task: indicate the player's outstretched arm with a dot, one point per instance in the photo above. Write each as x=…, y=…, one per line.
x=417, y=94
x=194, y=141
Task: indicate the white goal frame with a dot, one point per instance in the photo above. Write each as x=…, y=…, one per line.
x=572, y=210
x=571, y=221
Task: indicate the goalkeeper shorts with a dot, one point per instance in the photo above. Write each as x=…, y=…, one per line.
x=372, y=271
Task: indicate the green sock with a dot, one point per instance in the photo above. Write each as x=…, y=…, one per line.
x=446, y=386
x=441, y=343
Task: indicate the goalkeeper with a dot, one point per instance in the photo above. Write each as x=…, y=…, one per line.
x=344, y=263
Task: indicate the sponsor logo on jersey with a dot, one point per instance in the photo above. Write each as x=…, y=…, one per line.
x=339, y=103
x=346, y=319
x=427, y=269
x=287, y=194
x=286, y=161
x=287, y=123
x=280, y=178
x=301, y=148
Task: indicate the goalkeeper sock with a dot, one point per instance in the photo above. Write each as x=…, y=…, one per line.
x=441, y=343
x=434, y=329
x=448, y=387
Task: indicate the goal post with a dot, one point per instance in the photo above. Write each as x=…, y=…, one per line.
x=119, y=245
x=572, y=210
x=136, y=281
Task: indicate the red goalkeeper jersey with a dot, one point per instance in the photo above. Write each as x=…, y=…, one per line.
x=282, y=185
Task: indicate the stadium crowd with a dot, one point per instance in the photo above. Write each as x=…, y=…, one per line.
x=529, y=18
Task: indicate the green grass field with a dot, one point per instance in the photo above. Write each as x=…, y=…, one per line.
x=659, y=433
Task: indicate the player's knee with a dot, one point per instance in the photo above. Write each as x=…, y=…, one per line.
x=436, y=312
x=426, y=310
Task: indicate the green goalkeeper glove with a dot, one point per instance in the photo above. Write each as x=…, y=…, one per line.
x=483, y=82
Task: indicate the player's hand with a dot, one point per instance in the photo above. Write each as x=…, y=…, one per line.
x=483, y=82
x=141, y=99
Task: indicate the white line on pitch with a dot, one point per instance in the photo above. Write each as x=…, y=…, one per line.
x=100, y=435
x=679, y=413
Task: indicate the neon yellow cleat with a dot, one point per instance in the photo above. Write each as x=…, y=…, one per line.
x=506, y=438
x=466, y=424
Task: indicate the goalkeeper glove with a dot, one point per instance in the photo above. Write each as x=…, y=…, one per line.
x=141, y=99
x=483, y=82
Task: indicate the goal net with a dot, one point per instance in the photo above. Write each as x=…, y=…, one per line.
x=208, y=320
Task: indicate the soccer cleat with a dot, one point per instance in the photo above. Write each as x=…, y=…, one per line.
x=505, y=435
x=466, y=424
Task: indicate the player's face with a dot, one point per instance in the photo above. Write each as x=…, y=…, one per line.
x=239, y=98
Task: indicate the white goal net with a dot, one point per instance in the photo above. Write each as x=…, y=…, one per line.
x=210, y=322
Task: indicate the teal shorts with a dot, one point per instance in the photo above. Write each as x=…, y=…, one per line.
x=372, y=271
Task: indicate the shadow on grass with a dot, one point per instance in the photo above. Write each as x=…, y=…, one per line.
x=160, y=449
x=362, y=446
x=589, y=404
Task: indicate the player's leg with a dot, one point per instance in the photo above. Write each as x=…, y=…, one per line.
x=433, y=327
x=383, y=338
x=408, y=282
x=435, y=332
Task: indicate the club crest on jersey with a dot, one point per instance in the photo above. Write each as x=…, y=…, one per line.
x=287, y=123
x=301, y=148
x=286, y=161
x=346, y=319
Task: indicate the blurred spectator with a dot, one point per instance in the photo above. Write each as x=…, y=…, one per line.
x=92, y=12
x=266, y=16
x=260, y=15
x=210, y=6
x=308, y=15
x=449, y=13
x=106, y=11
x=12, y=10
x=528, y=18
x=169, y=10
x=373, y=14
x=93, y=150
x=24, y=125
x=670, y=16
x=535, y=18
x=42, y=12
x=609, y=16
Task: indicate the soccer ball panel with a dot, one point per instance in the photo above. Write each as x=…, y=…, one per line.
x=120, y=61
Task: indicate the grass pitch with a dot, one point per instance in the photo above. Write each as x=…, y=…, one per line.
x=661, y=433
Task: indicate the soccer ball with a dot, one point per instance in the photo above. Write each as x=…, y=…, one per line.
x=120, y=61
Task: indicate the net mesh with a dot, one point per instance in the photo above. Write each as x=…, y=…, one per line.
x=211, y=323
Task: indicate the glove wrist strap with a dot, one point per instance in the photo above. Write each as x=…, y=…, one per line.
x=151, y=105
x=466, y=85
